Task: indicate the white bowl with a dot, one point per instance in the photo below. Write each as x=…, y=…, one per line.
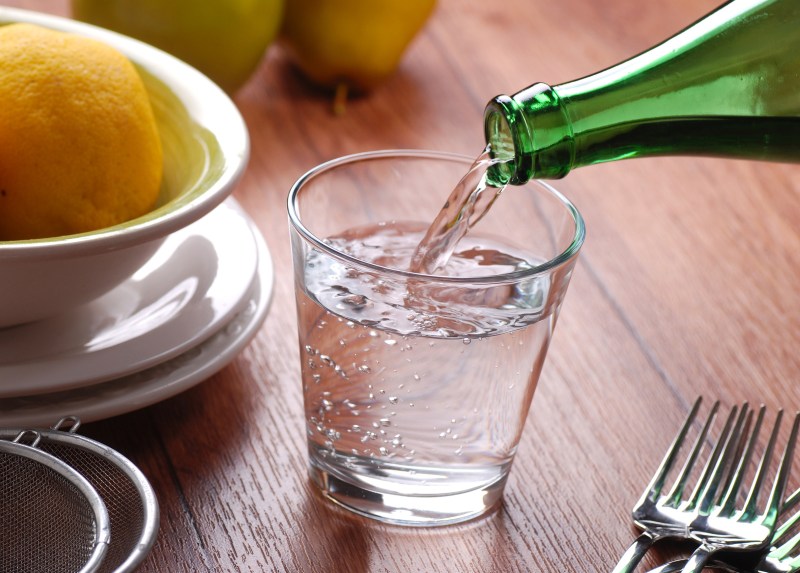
x=206, y=148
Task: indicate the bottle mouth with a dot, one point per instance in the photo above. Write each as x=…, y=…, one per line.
x=548, y=152
x=506, y=143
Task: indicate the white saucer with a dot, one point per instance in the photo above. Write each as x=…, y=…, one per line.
x=194, y=284
x=159, y=382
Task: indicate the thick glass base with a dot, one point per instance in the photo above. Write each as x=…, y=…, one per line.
x=408, y=495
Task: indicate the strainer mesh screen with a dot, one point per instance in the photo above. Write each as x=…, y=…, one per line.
x=123, y=501
x=46, y=523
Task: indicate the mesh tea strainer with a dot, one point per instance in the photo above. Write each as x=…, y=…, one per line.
x=129, y=498
x=51, y=518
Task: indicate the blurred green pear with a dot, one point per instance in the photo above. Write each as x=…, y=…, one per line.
x=224, y=39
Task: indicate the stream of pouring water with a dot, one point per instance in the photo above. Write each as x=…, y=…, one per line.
x=469, y=201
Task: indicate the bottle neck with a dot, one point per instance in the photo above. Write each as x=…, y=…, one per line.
x=532, y=135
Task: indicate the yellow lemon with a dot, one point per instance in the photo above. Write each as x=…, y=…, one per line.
x=79, y=146
x=358, y=43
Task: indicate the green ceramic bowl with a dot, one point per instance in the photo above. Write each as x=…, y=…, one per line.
x=206, y=148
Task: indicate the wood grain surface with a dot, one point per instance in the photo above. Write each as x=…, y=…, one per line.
x=687, y=285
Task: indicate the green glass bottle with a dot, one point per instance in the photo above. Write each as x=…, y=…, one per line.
x=727, y=86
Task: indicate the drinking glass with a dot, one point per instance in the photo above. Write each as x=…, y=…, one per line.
x=417, y=386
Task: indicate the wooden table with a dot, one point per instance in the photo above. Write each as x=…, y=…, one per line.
x=687, y=285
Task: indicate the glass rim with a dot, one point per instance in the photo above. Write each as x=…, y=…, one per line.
x=295, y=220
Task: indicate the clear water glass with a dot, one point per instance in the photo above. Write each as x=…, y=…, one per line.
x=417, y=387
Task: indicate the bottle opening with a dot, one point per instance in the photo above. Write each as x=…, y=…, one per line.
x=504, y=125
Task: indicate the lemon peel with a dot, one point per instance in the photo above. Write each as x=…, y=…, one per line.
x=79, y=145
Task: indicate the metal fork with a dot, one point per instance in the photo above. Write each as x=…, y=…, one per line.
x=663, y=516
x=783, y=557
x=718, y=525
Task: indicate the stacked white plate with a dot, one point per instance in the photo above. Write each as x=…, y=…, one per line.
x=182, y=317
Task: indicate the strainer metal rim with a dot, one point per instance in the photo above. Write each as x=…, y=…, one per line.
x=149, y=501
x=102, y=524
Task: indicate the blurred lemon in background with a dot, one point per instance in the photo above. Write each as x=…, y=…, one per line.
x=354, y=44
x=79, y=146
x=224, y=39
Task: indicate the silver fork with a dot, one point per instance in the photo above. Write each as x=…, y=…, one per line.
x=783, y=557
x=718, y=525
x=663, y=516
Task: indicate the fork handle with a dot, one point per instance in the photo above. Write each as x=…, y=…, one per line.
x=698, y=559
x=679, y=564
x=630, y=559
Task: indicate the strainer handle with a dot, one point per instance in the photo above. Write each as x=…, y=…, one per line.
x=34, y=434
x=73, y=421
